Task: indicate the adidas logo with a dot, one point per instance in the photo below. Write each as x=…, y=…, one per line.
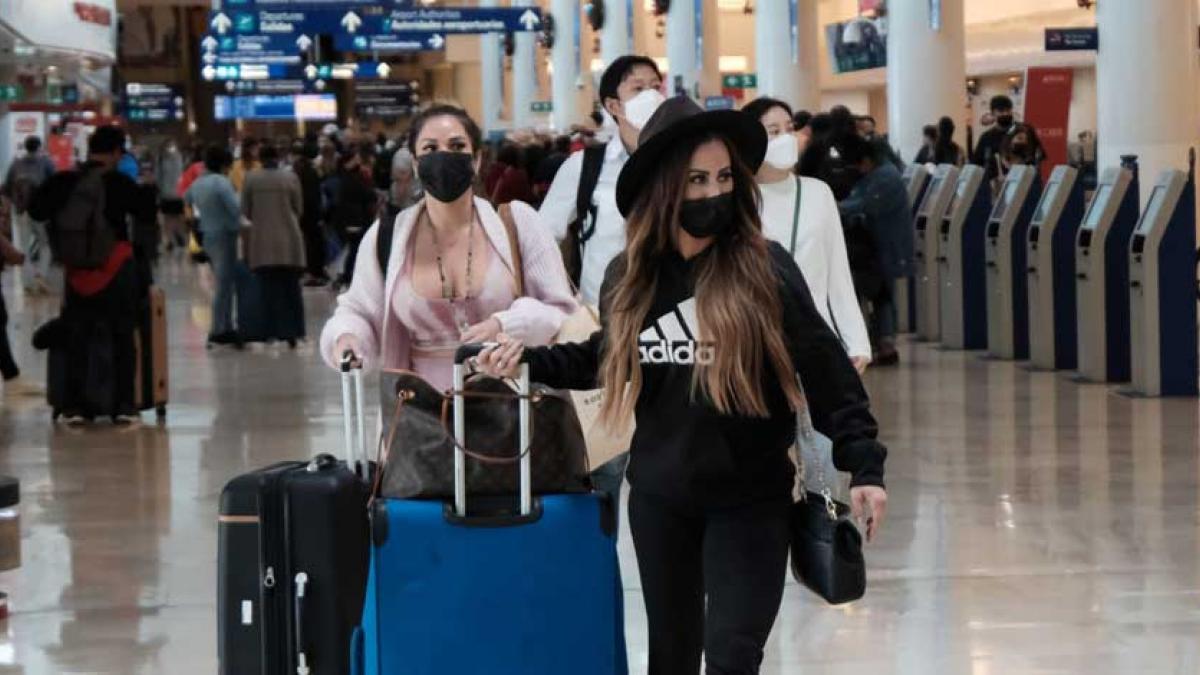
x=673, y=339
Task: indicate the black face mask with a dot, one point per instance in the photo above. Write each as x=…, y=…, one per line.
x=704, y=218
x=1004, y=121
x=446, y=175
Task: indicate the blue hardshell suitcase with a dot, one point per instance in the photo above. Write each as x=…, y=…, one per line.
x=531, y=589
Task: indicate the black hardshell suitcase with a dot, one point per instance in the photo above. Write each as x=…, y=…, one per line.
x=293, y=558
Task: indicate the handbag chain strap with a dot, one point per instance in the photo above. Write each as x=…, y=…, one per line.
x=806, y=432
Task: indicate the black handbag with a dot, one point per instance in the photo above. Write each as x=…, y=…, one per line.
x=417, y=455
x=827, y=555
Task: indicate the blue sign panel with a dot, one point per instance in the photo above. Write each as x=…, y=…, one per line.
x=462, y=21
x=398, y=42
x=313, y=107
x=718, y=103
x=1072, y=39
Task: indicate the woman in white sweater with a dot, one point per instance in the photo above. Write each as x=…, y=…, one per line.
x=801, y=214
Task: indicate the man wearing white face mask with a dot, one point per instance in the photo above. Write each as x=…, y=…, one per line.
x=581, y=206
x=801, y=214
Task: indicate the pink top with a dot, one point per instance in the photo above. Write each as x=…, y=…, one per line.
x=387, y=342
x=434, y=324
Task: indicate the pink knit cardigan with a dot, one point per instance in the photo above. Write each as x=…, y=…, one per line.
x=365, y=310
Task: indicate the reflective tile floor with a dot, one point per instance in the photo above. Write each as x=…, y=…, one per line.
x=1037, y=526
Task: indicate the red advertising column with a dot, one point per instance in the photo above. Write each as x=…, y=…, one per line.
x=1048, y=109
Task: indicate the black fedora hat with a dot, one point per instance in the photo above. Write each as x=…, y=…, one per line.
x=679, y=118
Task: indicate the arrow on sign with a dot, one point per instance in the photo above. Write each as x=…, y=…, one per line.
x=351, y=22
x=437, y=41
x=303, y=42
x=310, y=71
x=383, y=71
x=209, y=73
x=530, y=20
x=221, y=23
x=210, y=58
x=209, y=43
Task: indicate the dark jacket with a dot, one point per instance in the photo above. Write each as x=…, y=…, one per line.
x=988, y=149
x=125, y=205
x=686, y=451
x=881, y=199
x=310, y=190
x=354, y=203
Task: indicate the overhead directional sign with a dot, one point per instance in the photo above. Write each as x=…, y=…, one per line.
x=373, y=20
x=255, y=48
x=397, y=42
x=385, y=99
x=463, y=20
x=153, y=102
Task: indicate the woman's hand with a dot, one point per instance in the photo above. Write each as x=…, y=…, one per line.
x=503, y=360
x=485, y=331
x=868, y=504
x=347, y=343
x=860, y=363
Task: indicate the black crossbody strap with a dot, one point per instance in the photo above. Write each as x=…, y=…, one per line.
x=795, y=219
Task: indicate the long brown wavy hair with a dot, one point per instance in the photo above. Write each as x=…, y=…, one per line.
x=736, y=291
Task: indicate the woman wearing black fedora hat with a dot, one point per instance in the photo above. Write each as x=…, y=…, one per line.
x=705, y=328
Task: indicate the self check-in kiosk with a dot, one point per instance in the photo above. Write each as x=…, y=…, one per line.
x=1053, y=318
x=1007, y=285
x=1102, y=275
x=916, y=179
x=1162, y=290
x=927, y=226
x=960, y=263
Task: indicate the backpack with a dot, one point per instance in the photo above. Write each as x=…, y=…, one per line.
x=584, y=226
x=80, y=237
x=27, y=174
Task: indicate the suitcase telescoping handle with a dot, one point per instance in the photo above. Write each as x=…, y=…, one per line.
x=353, y=421
x=461, y=357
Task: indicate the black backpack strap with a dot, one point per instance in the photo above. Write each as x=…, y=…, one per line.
x=589, y=177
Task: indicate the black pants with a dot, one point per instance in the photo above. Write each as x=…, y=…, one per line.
x=316, y=250
x=352, y=242
x=8, y=366
x=282, y=303
x=736, y=558
x=117, y=309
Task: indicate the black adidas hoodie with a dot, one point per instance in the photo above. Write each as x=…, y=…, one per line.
x=684, y=449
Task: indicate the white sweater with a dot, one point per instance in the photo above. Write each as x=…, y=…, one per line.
x=820, y=252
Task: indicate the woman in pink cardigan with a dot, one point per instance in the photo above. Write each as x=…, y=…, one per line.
x=450, y=277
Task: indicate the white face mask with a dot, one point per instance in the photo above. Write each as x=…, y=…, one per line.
x=640, y=108
x=783, y=151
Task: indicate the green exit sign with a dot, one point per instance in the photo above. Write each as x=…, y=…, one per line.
x=742, y=81
x=10, y=92
x=541, y=107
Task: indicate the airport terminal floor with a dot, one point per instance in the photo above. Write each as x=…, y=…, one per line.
x=1036, y=525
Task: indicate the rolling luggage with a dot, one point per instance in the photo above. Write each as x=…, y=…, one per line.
x=292, y=558
x=150, y=392
x=249, y=303
x=489, y=585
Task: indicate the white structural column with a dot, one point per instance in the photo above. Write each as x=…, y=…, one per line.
x=682, y=61
x=615, y=38
x=1146, y=74
x=491, y=72
x=926, y=73
x=565, y=61
x=787, y=58
x=524, y=73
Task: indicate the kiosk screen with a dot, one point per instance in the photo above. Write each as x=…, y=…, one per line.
x=931, y=194
x=1153, y=209
x=1097, y=207
x=1043, y=209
